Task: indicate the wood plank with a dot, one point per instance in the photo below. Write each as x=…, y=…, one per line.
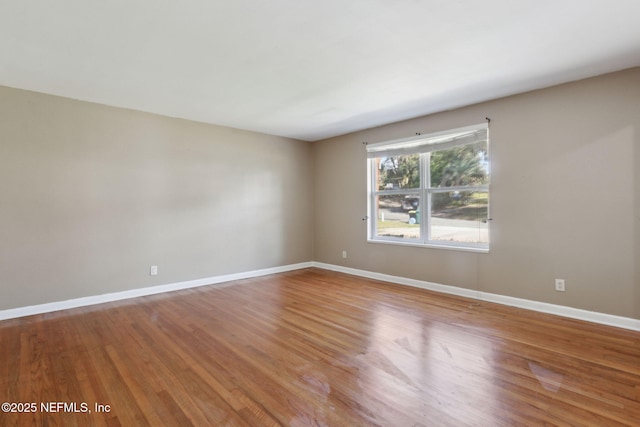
x=314, y=347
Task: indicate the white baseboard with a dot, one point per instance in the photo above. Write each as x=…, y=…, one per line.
x=139, y=292
x=559, y=310
x=574, y=313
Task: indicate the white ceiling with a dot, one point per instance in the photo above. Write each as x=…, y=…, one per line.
x=309, y=69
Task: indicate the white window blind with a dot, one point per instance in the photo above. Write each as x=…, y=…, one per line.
x=430, y=142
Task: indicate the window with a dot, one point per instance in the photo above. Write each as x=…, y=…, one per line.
x=431, y=190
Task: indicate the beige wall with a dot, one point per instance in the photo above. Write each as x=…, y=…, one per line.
x=91, y=196
x=565, y=198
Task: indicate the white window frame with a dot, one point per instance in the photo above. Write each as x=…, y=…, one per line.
x=424, y=145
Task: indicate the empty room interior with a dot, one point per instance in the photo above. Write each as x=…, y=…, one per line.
x=362, y=213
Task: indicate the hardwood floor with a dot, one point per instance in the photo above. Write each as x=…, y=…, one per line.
x=314, y=348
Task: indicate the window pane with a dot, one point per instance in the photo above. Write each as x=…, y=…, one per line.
x=398, y=216
x=458, y=166
x=398, y=172
x=460, y=216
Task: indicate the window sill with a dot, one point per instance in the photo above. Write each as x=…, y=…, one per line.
x=432, y=246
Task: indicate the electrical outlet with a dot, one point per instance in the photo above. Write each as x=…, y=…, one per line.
x=560, y=285
x=344, y=254
x=153, y=271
